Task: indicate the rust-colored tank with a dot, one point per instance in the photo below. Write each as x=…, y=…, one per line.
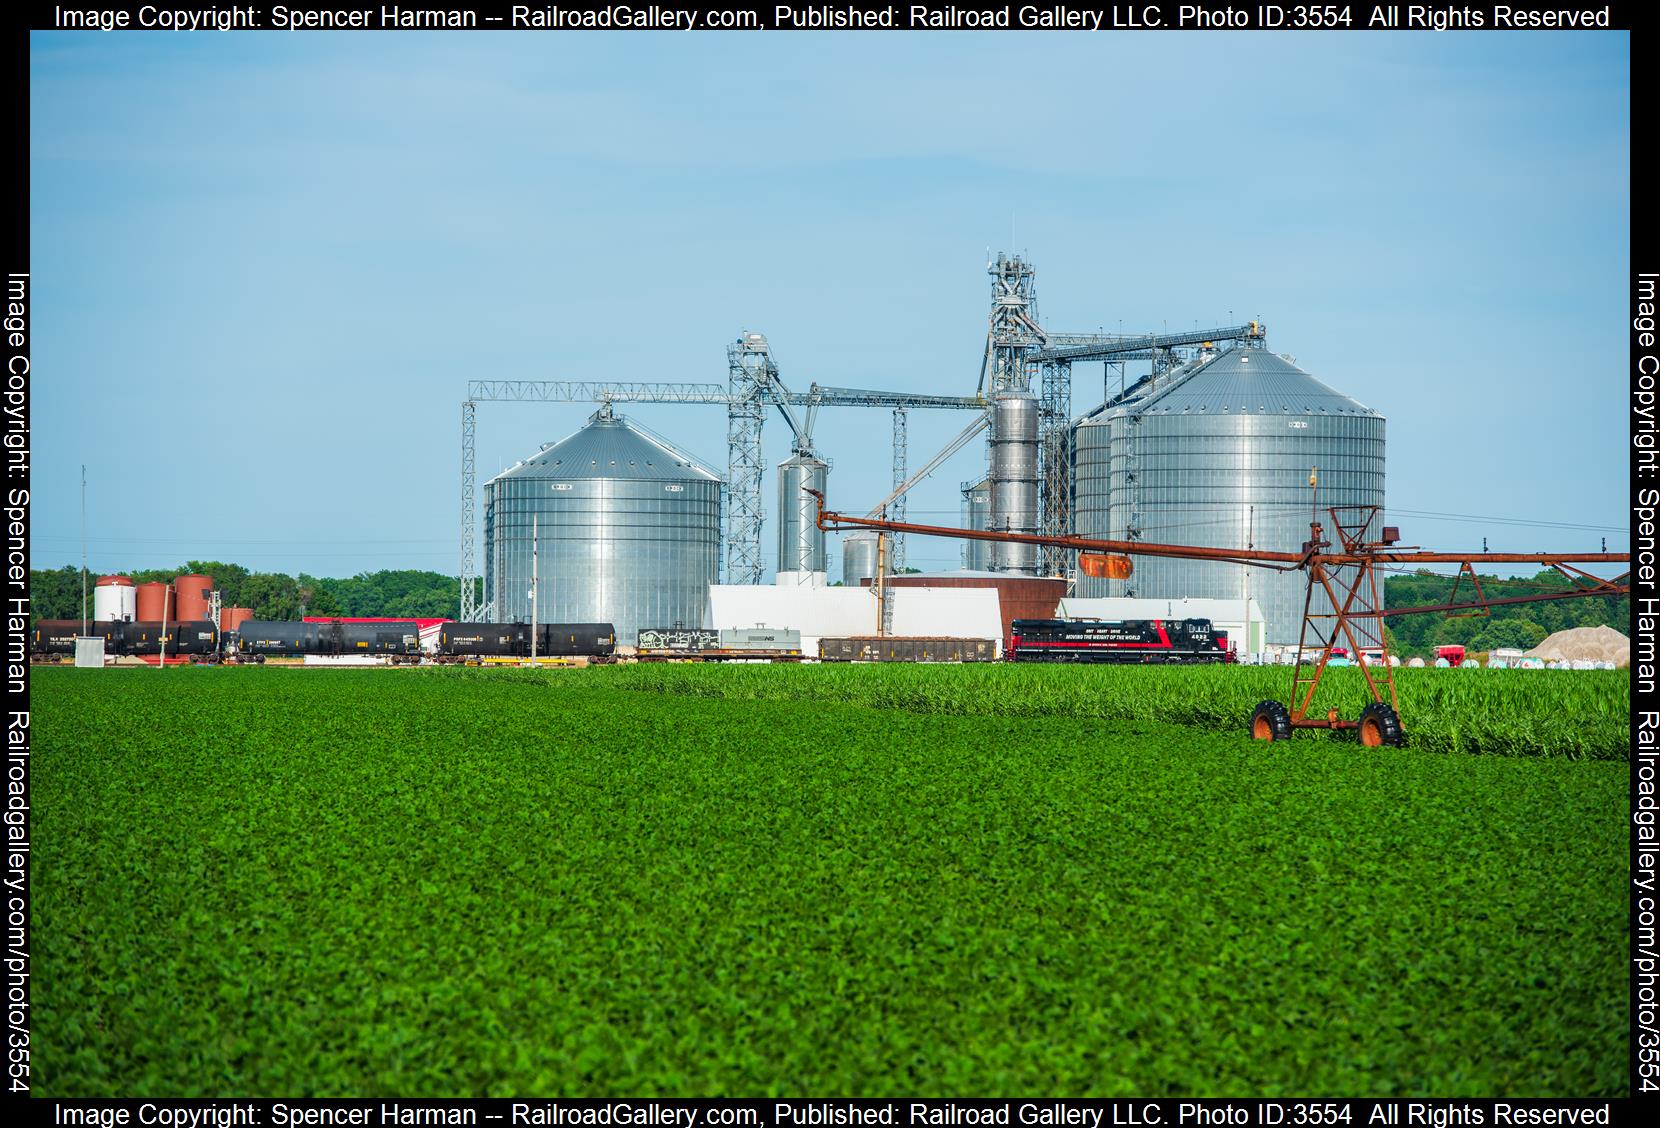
x=151, y=597
x=232, y=618
x=192, y=595
x=1018, y=597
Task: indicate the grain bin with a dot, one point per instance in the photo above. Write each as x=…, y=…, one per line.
x=190, y=594
x=115, y=599
x=800, y=540
x=151, y=599
x=628, y=531
x=1014, y=480
x=1219, y=454
x=858, y=558
x=977, y=515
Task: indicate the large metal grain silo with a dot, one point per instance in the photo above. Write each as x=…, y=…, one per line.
x=800, y=540
x=1220, y=455
x=1014, y=479
x=977, y=515
x=1091, y=471
x=627, y=532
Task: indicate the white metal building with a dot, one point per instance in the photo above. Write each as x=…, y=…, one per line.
x=1230, y=615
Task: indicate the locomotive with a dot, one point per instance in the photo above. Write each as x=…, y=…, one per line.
x=255, y=640
x=1131, y=640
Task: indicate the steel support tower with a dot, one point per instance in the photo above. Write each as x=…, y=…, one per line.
x=1054, y=463
x=1013, y=335
x=469, y=601
x=749, y=371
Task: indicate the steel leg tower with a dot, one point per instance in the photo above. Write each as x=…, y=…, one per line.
x=1012, y=340
x=750, y=373
x=1055, y=462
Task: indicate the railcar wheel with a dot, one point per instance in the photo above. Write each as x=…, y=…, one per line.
x=1271, y=721
x=1380, y=725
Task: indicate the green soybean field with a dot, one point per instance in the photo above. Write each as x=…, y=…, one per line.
x=821, y=881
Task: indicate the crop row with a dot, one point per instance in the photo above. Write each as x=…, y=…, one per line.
x=1578, y=714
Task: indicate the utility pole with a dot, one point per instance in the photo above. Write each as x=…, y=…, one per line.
x=879, y=583
x=83, y=548
x=1250, y=520
x=534, y=577
x=166, y=595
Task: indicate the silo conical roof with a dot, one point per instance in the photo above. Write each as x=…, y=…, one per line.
x=610, y=447
x=1250, y=381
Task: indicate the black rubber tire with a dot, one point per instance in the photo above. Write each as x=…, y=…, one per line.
x=1271, y=721
x=1380, y=727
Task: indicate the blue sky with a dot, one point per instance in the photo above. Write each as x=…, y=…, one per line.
x=265, y=265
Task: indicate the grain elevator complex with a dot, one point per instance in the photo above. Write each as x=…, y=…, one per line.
x=1201, y=438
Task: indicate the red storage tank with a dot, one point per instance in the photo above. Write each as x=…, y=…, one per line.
x=148, y=604
x=232, y=618
x=192, y=595
x=114, y=599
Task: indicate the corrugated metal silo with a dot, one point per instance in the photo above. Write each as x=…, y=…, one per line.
x=1091, y=471
x=800, y=540
x=858, y=558
x=1220, y=455
x=1014, y=479
x=977, y=515
x=627, y=530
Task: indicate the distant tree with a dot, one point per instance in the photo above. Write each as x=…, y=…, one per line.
x=1520, y=634
x=315, y=596
x=272, y=595
x=227, y=578
x=56, y=593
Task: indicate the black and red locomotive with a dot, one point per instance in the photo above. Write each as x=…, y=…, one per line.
x=1145, y=641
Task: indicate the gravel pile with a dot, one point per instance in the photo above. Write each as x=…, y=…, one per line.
x=1587, y=644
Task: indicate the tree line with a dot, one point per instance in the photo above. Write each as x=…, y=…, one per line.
x=399, y=594
x=1521, y=625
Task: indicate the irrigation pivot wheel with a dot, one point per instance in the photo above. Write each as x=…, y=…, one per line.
x=1271, y=721
x=1379, y=726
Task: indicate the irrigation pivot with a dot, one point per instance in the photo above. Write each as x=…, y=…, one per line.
x=1352, y=614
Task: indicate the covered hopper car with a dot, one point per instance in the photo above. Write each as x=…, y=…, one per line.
x=1126, y=641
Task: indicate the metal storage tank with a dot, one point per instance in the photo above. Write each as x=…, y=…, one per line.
x=232, y=618
x=149, y=600
x=800, y=540
x=1091, y=470
x=190, y=594
x=858, y=558
x=115, y=599
x=1014, y=479
x=977, y=515
x=1219, y=454
x=628, y=530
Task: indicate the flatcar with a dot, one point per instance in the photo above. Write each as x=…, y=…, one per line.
x=1145, y=641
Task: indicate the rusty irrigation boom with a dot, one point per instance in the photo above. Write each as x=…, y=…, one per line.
x=1351, y=612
